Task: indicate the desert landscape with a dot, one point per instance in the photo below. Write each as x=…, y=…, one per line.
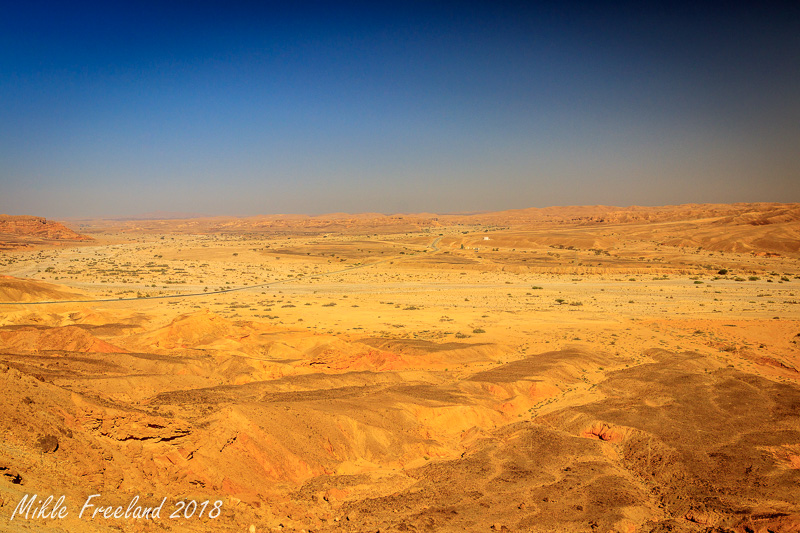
x=565, y=369
x=385, y=267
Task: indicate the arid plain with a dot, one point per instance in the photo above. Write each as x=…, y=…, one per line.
x=562, y=369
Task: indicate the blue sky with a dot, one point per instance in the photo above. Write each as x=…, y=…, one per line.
x=244, y=108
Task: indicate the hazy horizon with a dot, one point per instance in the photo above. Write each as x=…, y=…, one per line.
x=169, y=215
x=242, y=109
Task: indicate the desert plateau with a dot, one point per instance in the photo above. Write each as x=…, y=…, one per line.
x=567, y=369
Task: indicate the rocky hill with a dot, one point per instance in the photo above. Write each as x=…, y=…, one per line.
x=20, y=231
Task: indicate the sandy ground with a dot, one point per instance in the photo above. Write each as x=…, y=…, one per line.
x=455, y=378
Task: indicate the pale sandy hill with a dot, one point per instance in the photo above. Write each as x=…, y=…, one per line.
x=601, y=214
x=192, y=329
x=771, y=215
x=271, y=352
x=27, y=290
x=778, y=237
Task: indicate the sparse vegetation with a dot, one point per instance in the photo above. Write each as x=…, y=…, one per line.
x=384, y=362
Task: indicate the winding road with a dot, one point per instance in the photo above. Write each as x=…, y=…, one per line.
x=433, y=246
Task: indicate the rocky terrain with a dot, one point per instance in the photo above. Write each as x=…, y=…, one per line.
x=24, y=231
x=765, y=227
x=558, y=370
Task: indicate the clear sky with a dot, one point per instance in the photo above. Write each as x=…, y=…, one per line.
x=121, y=108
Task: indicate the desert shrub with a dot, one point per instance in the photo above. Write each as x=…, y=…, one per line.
x=753, y=278
x=478, y=330
x=722, y=271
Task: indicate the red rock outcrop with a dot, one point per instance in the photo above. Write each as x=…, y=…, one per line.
x=38, y=227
